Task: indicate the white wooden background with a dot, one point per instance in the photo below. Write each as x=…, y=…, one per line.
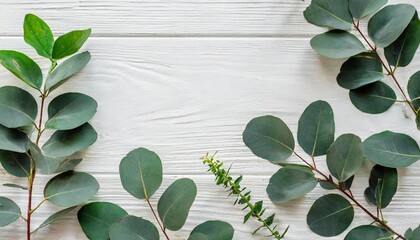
x=183, y=77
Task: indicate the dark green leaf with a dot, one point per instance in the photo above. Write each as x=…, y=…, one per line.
x=384, y=181
x=346, y=185
x=70, y=189
x=198, y=236
x=18, y=108
x=22, y=67
x=213, y=230
x=332, y=14
x=418, y=120
x=70, y=43
x=337, y=44
x=12, y=185
x=413, y=89
x=9, y=211
x=370, y=196
x=362, y=8
x=96, y=219
x=141, y=173
x=330, y=215
x=373, y=98
x=327, y=185
x=389, y=23
x=133, y=228
x=38, y=34
x=67, y=165
x=17, y=164
x=13, y=140
x=413, y=234
x=369, y=232
x=175, y=203
x=55, y=217
x=391, y=149
x=269, y=137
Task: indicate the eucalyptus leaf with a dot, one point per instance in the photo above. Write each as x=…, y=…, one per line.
x=369, y=232
x=44, y=165
x=12, y=185
x=212, y=230
x=70, y=110
x=96, y=219
x=269, y=137
x=316, y=128
x=359, y=71
x=290, y=183
x=330, y=215
x=373, y=98
x=141, y=173
x=13, y=140
x=198, y=236
x=411, y=234
x=391, y=149
x=327, y=185
x=346, y=185
x=389, y=23
x=17, y=164
x=70, y=43
x=329, y=13
x=413, y=89
x=55, y=217
x=133, y=228
x=67, y=164
x=18, y=108
x=370, y=196
x=385, y=181
x=337, y=44
x=9, y=211
x=22, y=67
x=38, y=34
x=175, y=203
x=70, y=188
x=362, y=8
x=65, y=143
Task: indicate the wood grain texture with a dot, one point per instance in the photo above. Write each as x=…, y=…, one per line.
x=194, y=92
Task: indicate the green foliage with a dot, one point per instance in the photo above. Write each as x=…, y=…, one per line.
x=373, y=98
x=17, y=164
x=13, y=140
x=383, y=183
x=38, y=34
x=69, y=43
x=55, y=217
x=413, y=234
x=369, y=232
x=324, y=14
x=205, y=231
x=414, y=89
x=362, y=8
x=337, y=44
x=9, y=211
x=133, y=228
x=17, y=106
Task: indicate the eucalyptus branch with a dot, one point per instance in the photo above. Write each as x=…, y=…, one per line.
x=157, y=219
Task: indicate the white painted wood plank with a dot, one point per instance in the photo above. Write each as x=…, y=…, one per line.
x=182, y=97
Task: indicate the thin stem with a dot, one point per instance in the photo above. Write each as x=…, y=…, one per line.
x=39, y=205
x=157, y=219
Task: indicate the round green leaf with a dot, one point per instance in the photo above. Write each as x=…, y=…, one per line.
x=96, y=219
x=69, y=43
x=373, y=98
x=22, y=67
x=411, y=234
x=362, y=8
x=67, y=142
x=38, y=34
x=383, y=182
x=345, y=156
x=141, y=173
x=175, y=203
x=346, y=185
x=337, y=44
x=269, y=137
x=13, y=140
x=330, y=215
x=329, y=13
x=316, y=128
x=55, y=217
x=70, y=110
x=66, y=70
x=9, y=211
x=18, y=108
x=290, y=183
x=360, y=70
x=71, y=189
x=401, y=52
x=212, y=230
x=326, y=185
x=389, y=23
x=413, y=89
x=133, y=228
x=17, y=164
x=369, y=232
x=370, y=196
x=391, y=149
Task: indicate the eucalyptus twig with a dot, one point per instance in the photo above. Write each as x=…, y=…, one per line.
x=157, y=219
x=243, y=197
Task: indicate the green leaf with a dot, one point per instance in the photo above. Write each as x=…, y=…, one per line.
x=373, y=98
x=330, y=215
x=329, y=13
x=345, y=156
x=346, y=185
x=391, y=149
x=18, y=108
x=141, y=173
x=133, y=228
x=9, y=211
x=67, y=142
x=289, y=184
x=17, y=164
x=12, y=185
x=362, y=8
x=38, y=34
x=413, y=234
x=96, y=219
x=70, y=43
x=269, y=137
x=67, y=165
x=70, y=110
x=13, y=140
x=213, y=230
x=359, y=71
x=55, y=217
x=327, y=185
x=418, y=120
x=401, y=52
x=66, y=70
x=198, y=236
x=316, y=128
x=22, y=67
x=389, y=23
x=385, y=181
x=413, y=89
x=337, y=44
x=369, y=232
x=175, y=203
x=70, y=189
x=370, y=196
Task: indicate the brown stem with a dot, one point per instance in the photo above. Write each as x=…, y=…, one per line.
x=157, y=219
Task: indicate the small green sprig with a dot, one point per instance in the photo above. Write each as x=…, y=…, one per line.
x=243, y=197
